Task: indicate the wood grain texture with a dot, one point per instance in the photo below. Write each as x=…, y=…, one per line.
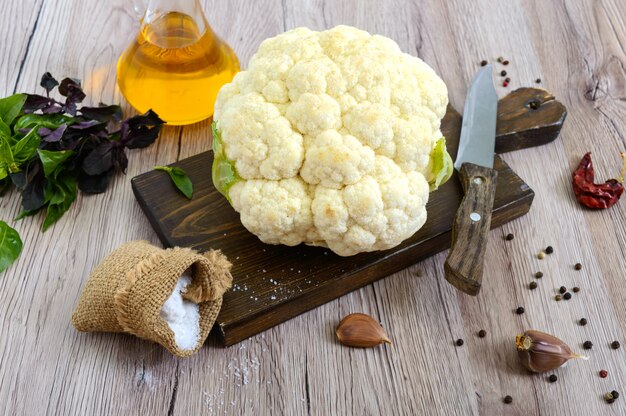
x=575, y=46
x=470, y=230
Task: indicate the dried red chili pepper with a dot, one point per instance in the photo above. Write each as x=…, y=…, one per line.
x=592, y=195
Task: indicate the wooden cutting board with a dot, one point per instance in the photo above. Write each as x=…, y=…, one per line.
x=275, y=283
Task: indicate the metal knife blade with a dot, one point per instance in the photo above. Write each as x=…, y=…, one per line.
x=478, y=131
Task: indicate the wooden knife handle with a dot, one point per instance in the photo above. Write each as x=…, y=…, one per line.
x=464, y=265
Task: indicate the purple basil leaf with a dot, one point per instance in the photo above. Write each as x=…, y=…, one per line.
x=120, y=160
x=95, y=184
x=24, y=131
x=71, y=89
x=33, y=194
x=48, y=82
x=99, y=160
x=53, y=109
x=70, y=107
x=36, y=102
x=52, y=136
x=103, y=113
x=141, y=131
x=83, y=125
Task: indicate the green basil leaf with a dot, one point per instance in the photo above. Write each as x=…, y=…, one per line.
x=10, y=246
x=179, y=178
x=60, y=194
x=6, y=154
x=49, y=121
x=10, y=107
x=5, y=130
x=441, y=165
x=4, y=172
x=26, y=147
x=51, y=160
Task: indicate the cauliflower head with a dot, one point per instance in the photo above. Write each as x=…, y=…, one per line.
x=331, y=139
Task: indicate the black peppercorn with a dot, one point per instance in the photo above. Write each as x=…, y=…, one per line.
x=549, y=250
x=583, y=321
x=615, y=394
x=575, y=289
x=578, y=266
x=539, y=275
x=508, y=399
x=552, y=378
x=587, y=345
x=567, y=296
x=615, y=345
x=520, y=310
x=507, y=79
x=562, y=290
x=509, y=237
x=459, y=342
x=532, y=285
x=482, y=333
x=505, y=62
x=483, y=63
x=503, y=73
x=538, y=80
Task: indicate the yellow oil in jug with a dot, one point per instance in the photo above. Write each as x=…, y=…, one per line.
x=175, y=70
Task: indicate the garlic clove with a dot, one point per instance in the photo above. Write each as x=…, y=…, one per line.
x=360, y=330
x=541, y=352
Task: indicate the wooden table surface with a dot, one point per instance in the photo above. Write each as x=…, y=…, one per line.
x=577, y=48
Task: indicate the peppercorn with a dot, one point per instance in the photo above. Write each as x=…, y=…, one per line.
x=539, y=275
x=578, y=266
x=509, y=237
x=557, y=298
x=507, y=79
x=567, y=296
x=552, y=378
x=508, y=399
x=575, y=289
x=505, y=62
x=608, y=397
x=459, y=342
x=500, y=59
x=532, y=285
x=482, y=333
x=483, y=63
x=538, y=80
x=603, y=373
x=615, y=345
x=587, y=345
x=582, y=321
x=541, y=255
x=503, y=73
x=520, y=310
x=505, y=84
x=549, y=250
x=615, y=394
x=562, y=290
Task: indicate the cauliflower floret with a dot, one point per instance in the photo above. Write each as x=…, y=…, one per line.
x=332, y=139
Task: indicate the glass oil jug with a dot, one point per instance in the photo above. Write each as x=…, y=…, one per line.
x=176, y=65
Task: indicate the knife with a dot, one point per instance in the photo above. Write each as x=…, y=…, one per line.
x=474, y=163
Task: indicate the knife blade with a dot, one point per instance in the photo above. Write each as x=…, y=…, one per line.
x=474, y=163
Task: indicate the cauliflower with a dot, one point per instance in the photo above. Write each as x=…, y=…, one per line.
x=331, y=139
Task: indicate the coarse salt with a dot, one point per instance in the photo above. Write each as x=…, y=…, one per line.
x=182, y=316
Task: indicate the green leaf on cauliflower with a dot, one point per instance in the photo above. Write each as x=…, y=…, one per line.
x=224, y=172
x=441, y=165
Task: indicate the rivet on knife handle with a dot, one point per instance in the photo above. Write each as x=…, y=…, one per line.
x=464, y=265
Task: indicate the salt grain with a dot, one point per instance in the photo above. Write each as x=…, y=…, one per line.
x=182, y=316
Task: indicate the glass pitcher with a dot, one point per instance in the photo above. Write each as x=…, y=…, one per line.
x=177, y=64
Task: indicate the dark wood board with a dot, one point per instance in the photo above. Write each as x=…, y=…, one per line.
x=275, y=283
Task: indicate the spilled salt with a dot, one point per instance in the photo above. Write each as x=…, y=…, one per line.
x=182, y=316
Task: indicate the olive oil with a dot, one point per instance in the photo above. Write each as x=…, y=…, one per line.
x=176, y=68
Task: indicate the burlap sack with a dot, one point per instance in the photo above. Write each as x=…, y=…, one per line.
x=126, y=292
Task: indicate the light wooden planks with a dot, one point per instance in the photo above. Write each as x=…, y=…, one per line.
x=576, y=47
